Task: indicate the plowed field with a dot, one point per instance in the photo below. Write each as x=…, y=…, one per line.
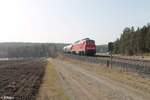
x=20, y=79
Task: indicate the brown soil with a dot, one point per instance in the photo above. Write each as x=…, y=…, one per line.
x=20, y=79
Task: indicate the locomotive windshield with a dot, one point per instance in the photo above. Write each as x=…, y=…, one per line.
x=90, y=42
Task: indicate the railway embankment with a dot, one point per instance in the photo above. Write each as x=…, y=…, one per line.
x=141, y=67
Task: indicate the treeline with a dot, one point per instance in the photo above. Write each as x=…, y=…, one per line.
x=101, y=48
x=133, y=42
x=25, y=50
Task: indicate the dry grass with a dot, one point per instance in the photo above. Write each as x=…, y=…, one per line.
x=145, y=56
x=51, y=88
x=120, y=75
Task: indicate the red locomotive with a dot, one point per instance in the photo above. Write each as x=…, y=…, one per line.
x=82, y=47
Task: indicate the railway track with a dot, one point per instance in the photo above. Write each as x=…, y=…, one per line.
x=139, y=66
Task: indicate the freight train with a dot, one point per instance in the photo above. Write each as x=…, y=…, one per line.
x=82, y=47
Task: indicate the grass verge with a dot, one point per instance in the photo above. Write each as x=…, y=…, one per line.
x=51, y=88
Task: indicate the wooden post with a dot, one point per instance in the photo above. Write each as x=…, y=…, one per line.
x=110, y=49
x=111, y=59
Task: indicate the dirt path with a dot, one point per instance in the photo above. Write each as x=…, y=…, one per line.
x=51, y=88
x=81, y=84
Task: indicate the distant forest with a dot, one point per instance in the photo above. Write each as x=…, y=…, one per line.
x=102, y=48
x=26, y=50
x=133, y=42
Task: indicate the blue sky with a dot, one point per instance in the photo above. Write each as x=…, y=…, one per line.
x=69, y=20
